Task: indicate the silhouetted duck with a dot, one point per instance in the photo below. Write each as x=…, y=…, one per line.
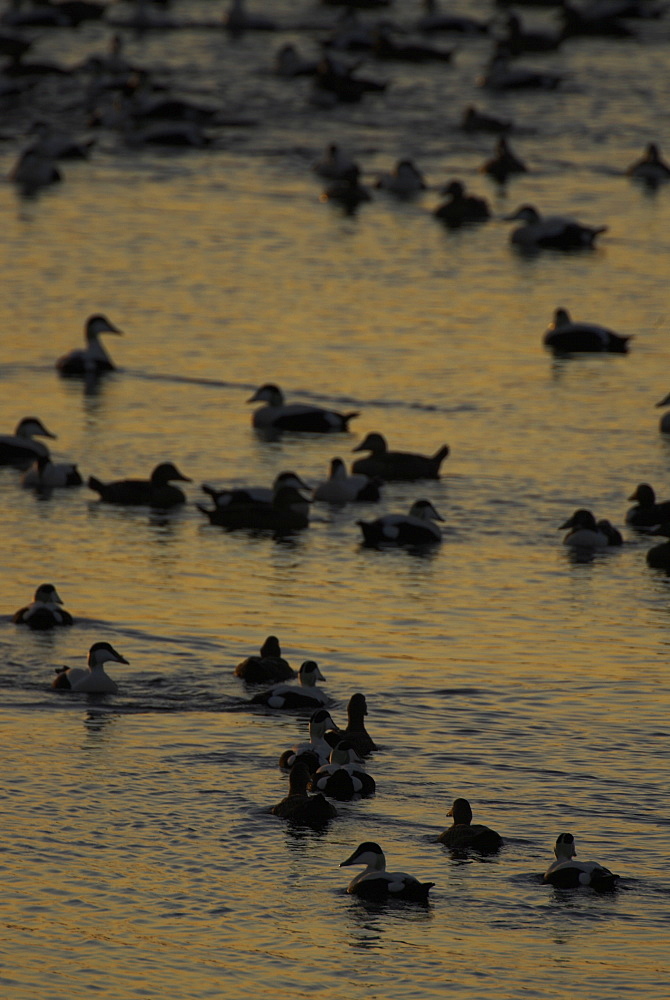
x=594, y=19
x=94, y=680
x=153, y=492
x=269, y=666
x=647, y=513
x=93, y=359
x=650, y=168
x=355, y=732
x=396, y=465
x=20, y=448
x=504, y=163
x=334, y=83
x=376, y=884
x=317, y=750
x=466, y=835
x=416, y=528
x=564, y=336
x=341, y=488
x=473, y=120
x=238, y=19
x=658, y=557
x=334, y=164
x=584, y=532
x=461, y=209
x=404, y=179
x=343, y=778
x=295, y=416
x=254, y=494
x=44, y=474
x=566, y=873
x=553, y=232
x=34, y=170
x=287, y=511
x=500, y=75
x=290, y=696
x=301, y=808
x=46, y=610
x=347, y=192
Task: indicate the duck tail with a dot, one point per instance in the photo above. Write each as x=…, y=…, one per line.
x=205, y=511
x=95, y=484
x=346, y=417
x=440, y=455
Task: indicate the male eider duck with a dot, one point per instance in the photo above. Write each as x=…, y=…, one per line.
x=415, y=528
x=376, y=884
x=566, y=873
x=301, y=808
x=461, y=209
x=343, y=778
x=45, y=612
x=564, y=336
x=401, y=466
x=647, y=513
x=303, y=695
x=466, y=835
x=282, y=416
x=94, y=680
x=555, y=232
x=269, y=666
x=317, y=750
x=19, y=448
x=44, y=474
x=254, y=494
x=504, y=163
x=584, y=532
x=153, y=492
x=288, y=511
x=92, y=359
x=405, y=179
x=650, y=168
x=341, y=488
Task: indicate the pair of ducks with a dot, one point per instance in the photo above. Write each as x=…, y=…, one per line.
x=21, y=450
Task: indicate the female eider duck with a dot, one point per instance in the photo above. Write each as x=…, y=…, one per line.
x=647, y=513
x=305, y=694
x=466, y=835
x=288, y=511
x=94, y=680
x=92, y=359
x=44, y=474
x=461, y=209
x=153, y=492
x=584, y=532
x=504, y=163
x=298, y=806
x=334, y=164
x=650, y=168
x=566, y=873
x=376, y=884
x=403, y=180
x=19, y=448
x=356, y=733
x=343, y=778
x=278, y=415
x=555, y=232
x=415, y=528
x=564, y=336
x=46, y=610
x=341, y=488
x=400, y=466
x=269, y=666
x=254, y=494
x=317, y=750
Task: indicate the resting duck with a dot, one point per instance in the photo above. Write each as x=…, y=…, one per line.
x=303, y=695
x=317, y=750
x=565, y=873
x=94, y=680
x=585, y=532
x=355, y=733
x=287, y=511
x=301, y=808
x=465, y=835
x=340, y=488
x=153, y=492
x=347, y=191
x=375, y=883
x=564, y=336
x=45, y=612
x=500, y=75
x=461, y=209
x=650, y=168
x=473, y=120
x=343, y=778
x=254, y=494
x=19, y=448
x=504, y=163
x=647, y=513
x=401, y=466
x=93, y=359
x=334, y=164
x=554, y=232
x=44, y=474
x=269, y=666
x=405, y=179
x=416, y=528
x=282, y=416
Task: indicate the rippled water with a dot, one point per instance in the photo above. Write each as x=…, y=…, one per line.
x=140, y=858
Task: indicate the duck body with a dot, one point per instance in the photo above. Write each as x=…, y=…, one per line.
x=298, y=806
x=500, y=75
x=94, y=680
x=237, y=19
x=405, y=179
x=92, y=359
x=647, y=513
x=154, y=492
x=564, y=336
x=376, y=884
x=555, y=232
x=651, y=169
x=254, y=494
x=461, y=209
x=291, y=696
x=295, y=416
x=566, y=873
x=45, y=612
x=342, y=778
x=473, y=120
x=415, y=528
x=584, y=531
x=399, y=466
x=658, y=557
x=348, y=192
x=287, y=511
x=355, y=732
x=334, y=165
x=20, y=448
x=44, y=474
x=340, y=488
x=269, y=666
x=504, y=163
x=466, y=835
x=316, y=751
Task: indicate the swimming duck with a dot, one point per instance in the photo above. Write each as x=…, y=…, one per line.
x=473, y=120
x=500, y=75
x=519, y=40
x=301, y=808
x=658, y=557
x=19, y=448
x=553, y=232
x=564, y=336
x=334, y=165
x=254, y=494
x=237, y=19
x=404, y=179
x=565, y=873
x=385, y=47
x=647, y=513
x=46, y=610
x=343, y=778
x=461, y=209
x=317, y=750
x=153, y=492
x=303, y=695
x=44, y=474
x=593, y=19
x=269, y=666
x=464, y=834
x=375, y=883
x=584, y=532
x=348, y=192
x=283, y=416
x=650, y=168
x=664, y=423
x=341, y=488
x=415, y=528
x=94, y=680
x=287, y=511
x=355, y=732
x=401, y=466
x=504, y=163
x=334, y=83
x=93, y=359
x=288, y=63
x=34, y=170
x=434, y=20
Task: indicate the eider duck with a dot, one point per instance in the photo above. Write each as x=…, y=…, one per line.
x=466, y=835
x=341, y=488
x=564, y=336
x=647, y=513
x=554, y=232
x=269, y=666
x=584, y=532
x=376, y=884
x=461, y=209
x=355, y=732
x=504, y=163
x=317, y=750
x=44, y=474
x=305, y=694
x=301, y=808
x=19, y=448
x=650, y=168
x=347, y=191
x=94, y=680
x=415, y=528
x=254, y=494
x=288, y=511
x=335, y=83
x=34, y=170
x=499, y=75
x=93, y=359
x=278, y=415
x=405, y=179
x=658, y=557
x=153, y=492
x=473, y=120
x=565, y=873
x=45, y=612
x=334, y=164
x=343, y=778
x=400, y=466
